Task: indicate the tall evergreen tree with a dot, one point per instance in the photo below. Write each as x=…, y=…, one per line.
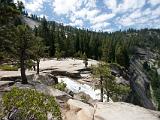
x=22, y=46
x=107, y=82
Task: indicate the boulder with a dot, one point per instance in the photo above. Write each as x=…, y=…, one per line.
x=78, y=110
x=46, y=79
x=82, y=97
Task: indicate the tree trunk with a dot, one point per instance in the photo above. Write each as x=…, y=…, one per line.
x=38, y=67
x=101, y=85
x=107, y=90
x=107, y=96
x=22, y=65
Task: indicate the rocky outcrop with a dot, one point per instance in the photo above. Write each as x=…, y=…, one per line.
x=140, y=84
x=31, y=23
x=78, y=110
x=46, y=79
x=81, y=96
x=108, y=111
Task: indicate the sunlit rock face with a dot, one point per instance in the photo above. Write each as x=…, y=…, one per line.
x=108, y=111
x=31, y=23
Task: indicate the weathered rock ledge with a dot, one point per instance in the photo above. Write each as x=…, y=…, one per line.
x=108, y=111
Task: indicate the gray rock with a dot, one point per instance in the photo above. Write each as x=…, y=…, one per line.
x=46, y=79
x=82, y=97
x=140, y=86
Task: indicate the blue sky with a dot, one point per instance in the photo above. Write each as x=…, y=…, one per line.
x=103, y=15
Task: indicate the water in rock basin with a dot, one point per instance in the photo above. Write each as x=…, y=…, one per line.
x=78, y=87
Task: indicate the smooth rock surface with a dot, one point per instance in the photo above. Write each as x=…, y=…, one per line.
x=108, y=111
x=123, y=111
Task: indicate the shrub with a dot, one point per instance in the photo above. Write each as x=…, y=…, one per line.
x=60, y=86
x=8, y=67
x=84, y=98
x=30, y=103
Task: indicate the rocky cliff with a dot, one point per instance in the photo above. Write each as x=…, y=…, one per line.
x=139, y=81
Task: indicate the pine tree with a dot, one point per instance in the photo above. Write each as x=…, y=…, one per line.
x=8, y=12
x=20, y=6
x=107, y=81
x=22, y=46
x=38, y=51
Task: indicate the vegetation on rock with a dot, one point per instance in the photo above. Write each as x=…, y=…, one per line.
x=60, y=86
x=8, y=67
x=29, y=105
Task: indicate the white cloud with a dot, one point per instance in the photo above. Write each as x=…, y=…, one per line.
x=85, y=10
x=77, y=22
x=35, y=5
x=125, y=6
x=111, y=4
x=102, y=18
x=86, y=14
x=92, y=13
x=89, y=3
x=154, y=2
x=80, y=13
x=78, y=10
x=146, y=12
x=156, y=11
x=136, y=14
x=64, y=6
x=100, y=26
x=139, y=18
x=125, y=21
x=129, y=5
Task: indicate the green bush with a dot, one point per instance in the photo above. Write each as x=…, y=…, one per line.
x=8, y=67
x=30, y=103
x=60, y=86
